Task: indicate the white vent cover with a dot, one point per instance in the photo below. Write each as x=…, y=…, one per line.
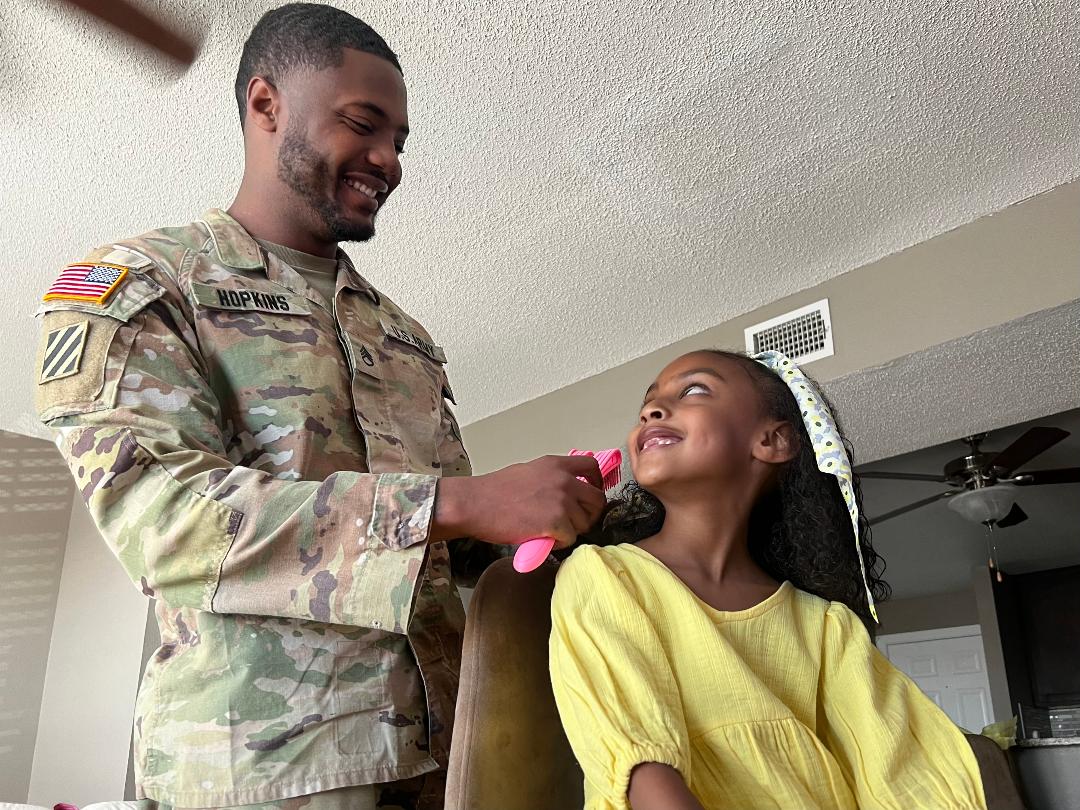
x=804, y=334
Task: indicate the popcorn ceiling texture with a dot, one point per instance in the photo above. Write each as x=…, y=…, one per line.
x=1015, y=372
x=587, y=181
x=992, y=380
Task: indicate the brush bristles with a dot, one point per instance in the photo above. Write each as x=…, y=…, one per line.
x=610, y=462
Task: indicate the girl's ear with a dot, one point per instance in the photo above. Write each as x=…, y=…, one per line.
x=777, y=443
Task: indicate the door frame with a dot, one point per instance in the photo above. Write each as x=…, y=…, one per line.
x=937, y=634
x=941, y=634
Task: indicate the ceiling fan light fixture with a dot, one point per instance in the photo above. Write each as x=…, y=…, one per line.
x=984, y=504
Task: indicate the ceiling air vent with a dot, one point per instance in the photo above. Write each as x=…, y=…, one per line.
x=804, y=334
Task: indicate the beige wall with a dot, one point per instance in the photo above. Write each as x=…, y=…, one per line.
x=983, y=589
x=1016, y=262
x=35, y=506
x=928, y=612
x=87, y=707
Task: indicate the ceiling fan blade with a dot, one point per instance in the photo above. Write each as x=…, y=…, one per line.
x=1066, y=475
x=1024, y=449
x=134, y=22
x=899, y=476
x=911, y=507
x=1016, y=515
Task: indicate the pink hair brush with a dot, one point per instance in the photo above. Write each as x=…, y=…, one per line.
x=531, y=554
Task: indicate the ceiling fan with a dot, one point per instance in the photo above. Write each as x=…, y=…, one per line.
x=136, y=23
x=983, y=484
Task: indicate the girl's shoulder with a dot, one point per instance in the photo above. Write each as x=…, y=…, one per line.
x=606, y=572
x=811, y=603
x=838, y=625
x=623, y=561
x=588, y=561
x=835, y=617
x=589, y=554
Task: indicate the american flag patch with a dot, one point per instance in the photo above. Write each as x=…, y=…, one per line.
x=91, y=283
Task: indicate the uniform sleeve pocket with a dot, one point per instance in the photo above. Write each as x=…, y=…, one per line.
x=79, y=362
x=361, y=695
x=84, y=347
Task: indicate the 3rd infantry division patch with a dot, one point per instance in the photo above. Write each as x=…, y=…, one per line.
x=63, y=351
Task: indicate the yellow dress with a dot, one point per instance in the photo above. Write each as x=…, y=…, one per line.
x=786, y=705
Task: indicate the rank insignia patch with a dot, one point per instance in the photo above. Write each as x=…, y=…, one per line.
x=63, y=352
x=91, y=283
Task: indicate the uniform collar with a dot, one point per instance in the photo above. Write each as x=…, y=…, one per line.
x=352, y=279
x=234, y=246
x=237, y=248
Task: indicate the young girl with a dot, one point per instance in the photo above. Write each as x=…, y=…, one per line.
x=720, y=658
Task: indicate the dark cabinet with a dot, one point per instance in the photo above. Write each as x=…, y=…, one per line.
x=1039, y=619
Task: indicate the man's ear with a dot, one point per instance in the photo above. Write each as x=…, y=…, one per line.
x=777, y=443
x=263, y=104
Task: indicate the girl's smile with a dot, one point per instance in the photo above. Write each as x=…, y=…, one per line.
x=655, y=437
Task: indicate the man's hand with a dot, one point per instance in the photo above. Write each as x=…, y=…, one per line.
x=541, y=498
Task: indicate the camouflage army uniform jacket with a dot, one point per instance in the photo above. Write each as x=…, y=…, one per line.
x=263, y=463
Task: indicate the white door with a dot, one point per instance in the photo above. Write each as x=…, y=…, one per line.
x=950, y=667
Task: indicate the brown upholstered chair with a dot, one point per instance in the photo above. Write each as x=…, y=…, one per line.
x=509, y=749
x=999, y=781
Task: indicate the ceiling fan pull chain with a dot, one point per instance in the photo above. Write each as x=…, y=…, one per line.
x=991, y=543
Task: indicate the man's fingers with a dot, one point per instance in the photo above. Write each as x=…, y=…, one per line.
x=592, y=500
x=586, y=467
x=580, y=521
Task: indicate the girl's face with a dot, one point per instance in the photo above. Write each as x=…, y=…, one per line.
x=701, y=422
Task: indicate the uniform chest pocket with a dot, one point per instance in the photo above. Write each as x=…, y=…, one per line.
x=274, y=361
x=397, y=395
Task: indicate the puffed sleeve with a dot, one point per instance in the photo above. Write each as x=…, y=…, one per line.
x=613, y=682
x=897, y=749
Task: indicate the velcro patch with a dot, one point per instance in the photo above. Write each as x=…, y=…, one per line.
x=365, y=360
x=392, y=330
x=89, y=282
x=242, y=300
x=63, y=352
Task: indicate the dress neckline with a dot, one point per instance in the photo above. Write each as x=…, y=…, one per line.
x=777, y=597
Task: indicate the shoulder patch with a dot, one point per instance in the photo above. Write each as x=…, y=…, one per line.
x=73, y=356
x=88, y=282
x=63, y=351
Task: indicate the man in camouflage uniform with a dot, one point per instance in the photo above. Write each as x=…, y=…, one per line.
x=266, y=443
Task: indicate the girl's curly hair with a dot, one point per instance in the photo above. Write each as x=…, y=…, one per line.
x=800, y=529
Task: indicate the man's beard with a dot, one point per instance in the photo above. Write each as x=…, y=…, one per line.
x=307, y=173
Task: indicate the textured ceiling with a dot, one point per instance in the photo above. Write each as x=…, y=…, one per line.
x=587, y=181
x=933, y=549
x=1003, y=380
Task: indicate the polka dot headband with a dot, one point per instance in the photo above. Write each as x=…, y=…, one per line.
x=832, y=458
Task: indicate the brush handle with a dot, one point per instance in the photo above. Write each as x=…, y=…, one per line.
x=531, y=554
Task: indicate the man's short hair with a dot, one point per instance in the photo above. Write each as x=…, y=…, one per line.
x=303, y=35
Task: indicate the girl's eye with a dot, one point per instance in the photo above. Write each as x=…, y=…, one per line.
x=695, y=388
